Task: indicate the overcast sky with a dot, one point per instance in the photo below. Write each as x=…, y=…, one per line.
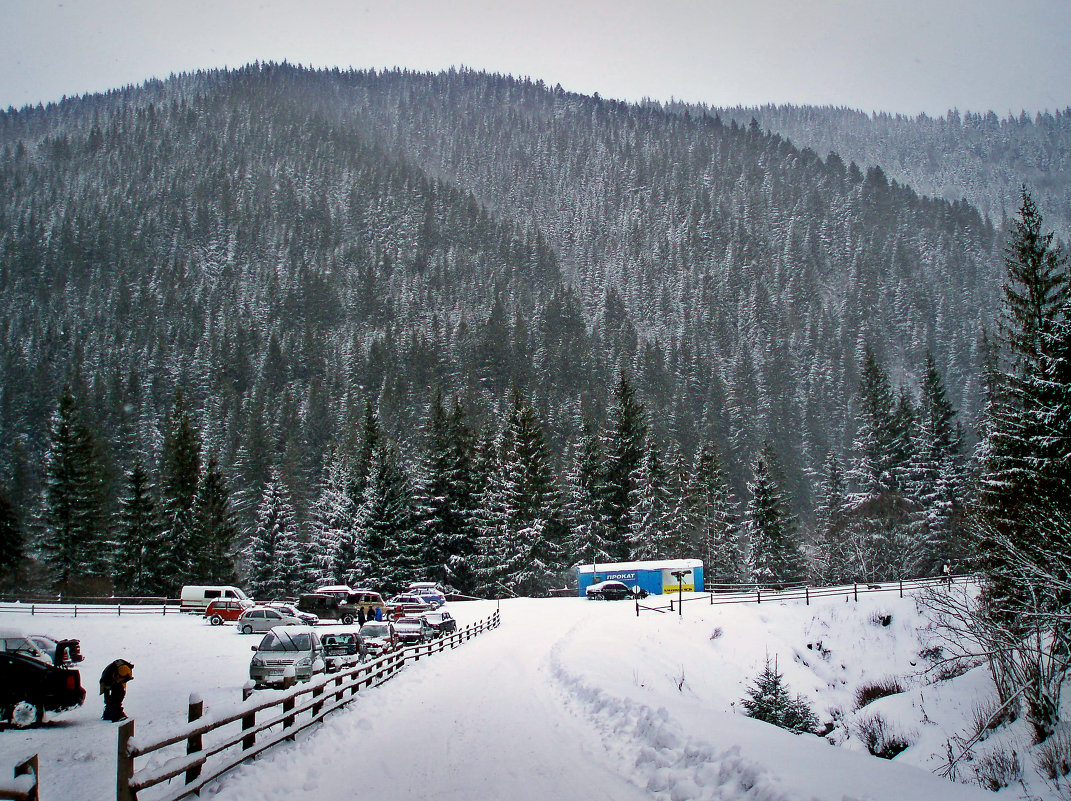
x=905, y=56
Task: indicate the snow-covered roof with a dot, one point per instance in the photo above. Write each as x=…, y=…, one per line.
x=658, y=564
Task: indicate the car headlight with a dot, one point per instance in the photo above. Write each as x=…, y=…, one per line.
x=256, y=662
x=303, y=662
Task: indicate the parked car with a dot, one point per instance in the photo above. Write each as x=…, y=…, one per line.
x=369, y=601
x=429, y=591
x=414, y=630
x=284, y=650
x=62, y=653
x=411, y=604
x=342, y=649
x=226, y=610
x=441, y=622
x=196, y=597
x=32, y=684
x=307, y=618
x=261, y=618
x=433, y=599
x=339, y=591
x=612, y=591
x=324, y=605
x=379, y=637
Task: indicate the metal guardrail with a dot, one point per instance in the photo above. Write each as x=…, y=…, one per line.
x=288, y=714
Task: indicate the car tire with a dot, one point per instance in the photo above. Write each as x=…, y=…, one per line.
x=216, y=620
x=25, y=714
x=347, y=620
x=247, y=629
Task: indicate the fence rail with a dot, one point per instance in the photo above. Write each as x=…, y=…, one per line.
x=86, y=608
x=214, y=745
x=805, y=593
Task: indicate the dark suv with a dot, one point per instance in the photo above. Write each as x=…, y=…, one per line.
x=31, y=686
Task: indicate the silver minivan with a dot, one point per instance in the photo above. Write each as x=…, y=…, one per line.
x=293, y=651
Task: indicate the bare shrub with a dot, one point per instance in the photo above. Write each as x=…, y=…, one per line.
x=1053, y=757
x=716, y=633
x=985, y=718
x=881, y=738
x=880, y=618
x=997, y=770
x=873, y=690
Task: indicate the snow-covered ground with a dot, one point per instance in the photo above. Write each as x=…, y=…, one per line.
x=567, y=699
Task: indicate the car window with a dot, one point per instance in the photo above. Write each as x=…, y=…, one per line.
x=272, y=614
x=285, y=641
x=257, y=613
x=211, y=593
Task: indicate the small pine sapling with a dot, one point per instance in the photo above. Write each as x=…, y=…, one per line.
x=769, y=700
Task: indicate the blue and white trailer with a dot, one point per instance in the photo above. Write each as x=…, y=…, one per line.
x=655, y=576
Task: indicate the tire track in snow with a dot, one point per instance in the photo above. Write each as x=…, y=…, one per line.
x=670, y=765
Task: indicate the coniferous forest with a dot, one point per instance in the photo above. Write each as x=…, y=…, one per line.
x=284, y=327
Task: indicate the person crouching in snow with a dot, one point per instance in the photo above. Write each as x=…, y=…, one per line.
x=113, y=687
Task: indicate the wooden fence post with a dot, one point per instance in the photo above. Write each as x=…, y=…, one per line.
x=317, y=692
x=807, y=595
x=288, y=706
x=193, y=742
x=124, y=764
x=758, y=597
x=249, y=719
x=30, y=767
x=855, y=589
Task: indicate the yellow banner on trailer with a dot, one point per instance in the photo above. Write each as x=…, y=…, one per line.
x=669, y=581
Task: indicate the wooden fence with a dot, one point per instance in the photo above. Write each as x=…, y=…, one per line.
x=758, y=595
x=217, y=744
x=23, y=785
x=85, y=608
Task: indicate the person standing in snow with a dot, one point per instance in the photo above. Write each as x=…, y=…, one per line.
x=360, y=616
x=113, y=687
x=379, y=614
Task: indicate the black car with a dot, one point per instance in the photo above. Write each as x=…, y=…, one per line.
x=342, y=649
x=441, y=622
x=612, y=591
x=29, y=687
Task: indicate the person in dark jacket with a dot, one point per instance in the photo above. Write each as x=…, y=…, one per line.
x=113, y=687
x=360, y=615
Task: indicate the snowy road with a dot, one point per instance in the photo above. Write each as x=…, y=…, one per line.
x=480, y=722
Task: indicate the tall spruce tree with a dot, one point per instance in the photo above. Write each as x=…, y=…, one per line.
x=273, y=550
x=333, y=543
x=137, y=537
x=72, y=542
x=774, y=555
x=12, y=542
x=622, y=448
x=830, y=563
x=1011, y=485
x=180, y=470
x=390, y=546
x=215, y=532
x=714, y=518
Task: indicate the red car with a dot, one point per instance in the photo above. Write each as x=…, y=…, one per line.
x=226, y=609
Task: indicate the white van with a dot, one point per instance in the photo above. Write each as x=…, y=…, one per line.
x=195, y=598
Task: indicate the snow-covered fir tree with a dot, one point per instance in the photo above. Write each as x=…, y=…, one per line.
x=72, y=542
x=714, y=518
x=774, y=555
x=273, y=551
x=137, y=537
x=333, y=527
